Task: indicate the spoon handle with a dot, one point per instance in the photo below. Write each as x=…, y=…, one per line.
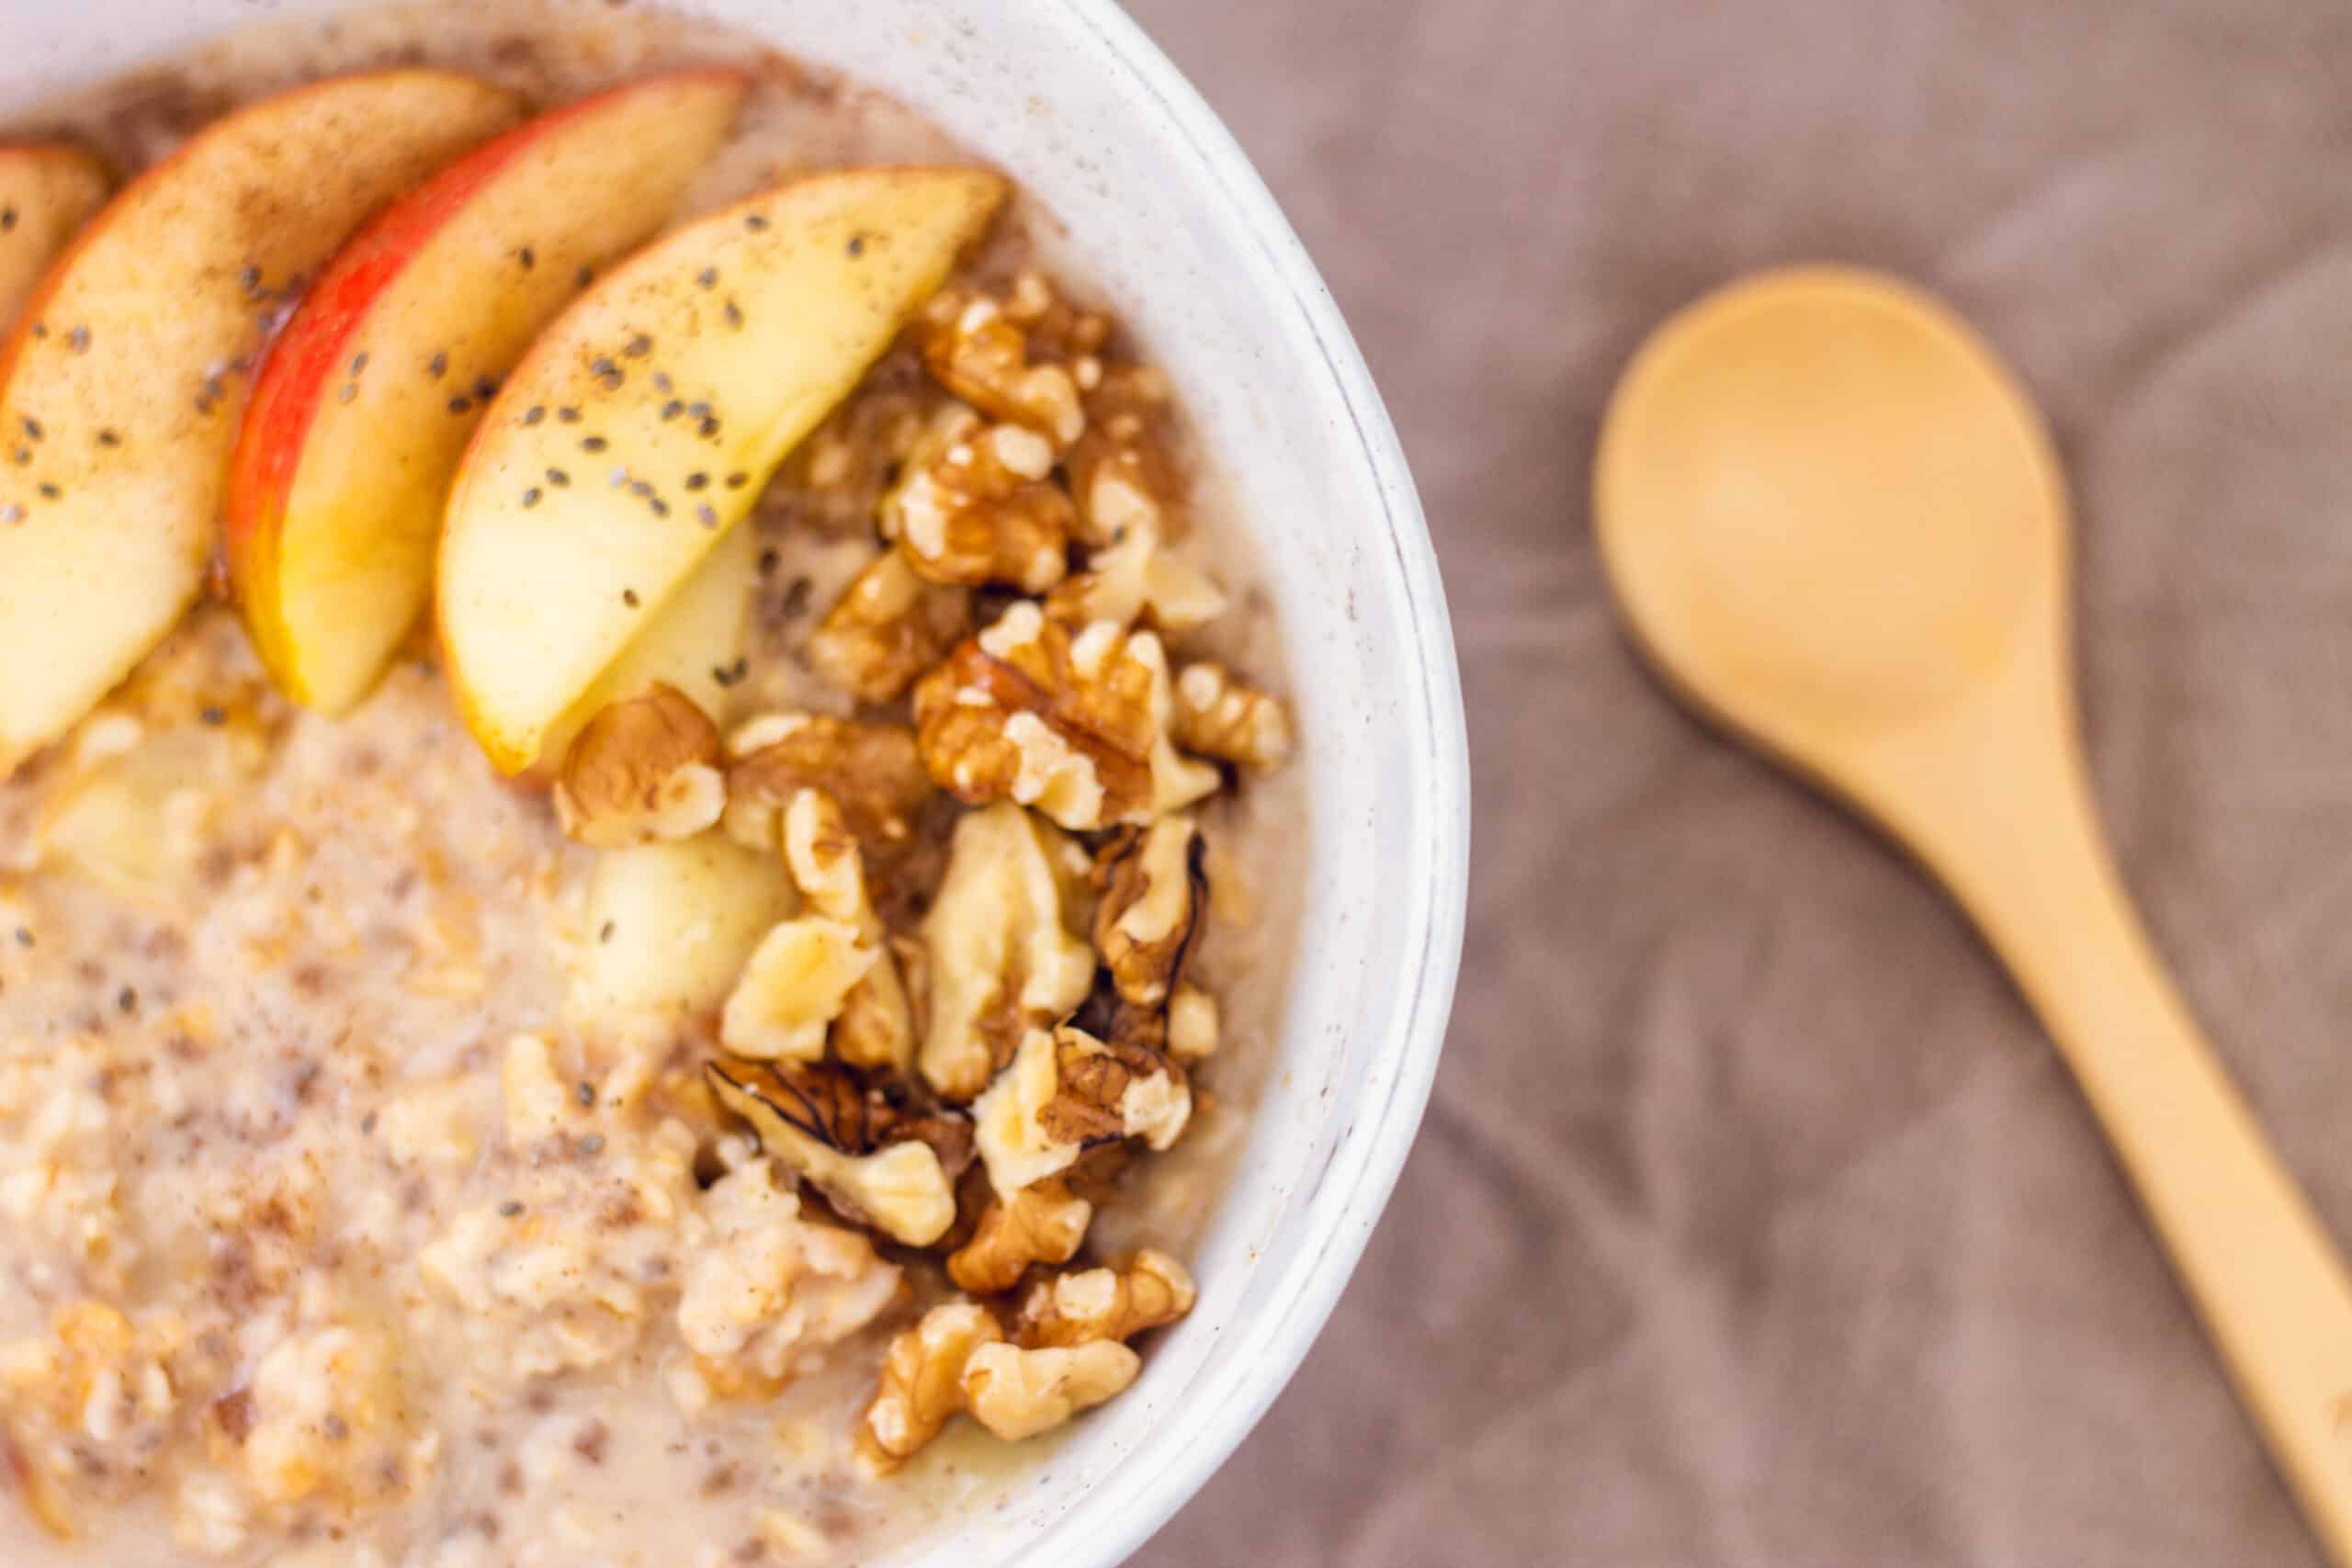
x=2002, y=812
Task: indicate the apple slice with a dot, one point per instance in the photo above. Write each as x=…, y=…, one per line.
x=695, y=645
x=46, y=193
x=120, y=386
x=665, y=396
x=367, y=399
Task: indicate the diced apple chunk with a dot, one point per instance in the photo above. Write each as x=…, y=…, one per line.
x=364, y=404
x=124, y=377
x=669, y=926
x=687, y=374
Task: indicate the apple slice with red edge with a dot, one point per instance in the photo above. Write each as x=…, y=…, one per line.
x=122, y=381
x=365, y=401
x=665, y=397
x=46, y=193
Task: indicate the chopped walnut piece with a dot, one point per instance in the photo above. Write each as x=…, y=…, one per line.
x=1074, y=726
x=835, y=479
x=1001, y=958
x=921, y=1385
x=644, y=768
x=1217, y=716
x=1057, y=330
x=1066, y=1092
x=1155, y=894
x=1123, y=471
x=1117, y=1303
x=872, y=1024
x=1044, y=1223
x=888, y=627
x=1018, y=1393
x=977, y=506
x=1136, y=579
x=1193, y=1026
x=978, y=351
x=1110, y=1088
x=794, y=985
x=1127, y=489
x=874, y=771
x=848, y=1143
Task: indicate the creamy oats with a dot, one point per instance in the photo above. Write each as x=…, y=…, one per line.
x=831, y=1043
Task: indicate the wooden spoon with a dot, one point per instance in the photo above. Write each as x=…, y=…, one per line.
x=1835, y=524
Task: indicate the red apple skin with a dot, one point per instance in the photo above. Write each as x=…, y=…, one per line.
x=295, y=394
x=464, y=124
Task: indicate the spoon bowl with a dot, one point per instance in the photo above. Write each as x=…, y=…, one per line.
x=1826, y=509
x=1835, y=524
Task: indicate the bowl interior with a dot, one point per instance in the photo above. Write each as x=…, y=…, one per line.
x=1169, y=220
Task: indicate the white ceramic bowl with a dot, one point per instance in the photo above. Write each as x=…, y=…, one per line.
x=1172, y=221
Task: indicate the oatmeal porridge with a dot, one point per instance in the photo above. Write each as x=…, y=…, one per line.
x=643, y=819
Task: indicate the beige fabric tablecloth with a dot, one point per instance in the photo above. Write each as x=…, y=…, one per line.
x=1754, y=1222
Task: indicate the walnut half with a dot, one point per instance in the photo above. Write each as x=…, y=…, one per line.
x=1116, y=1303
x=980, y=351
x=873, y=1024
x=1218, y=717
x=1076, y=726
x=921, y=1385
x=1067, y=1092
x=887, y=628
x=1154, y=895
x=874, y=771
x=872, y=1163
x=644, y=768
x=1016, y=1393
x=1044, y=1223
x=795, y=984
x=1001, y=957
x=978, y=506
x=958, y=1359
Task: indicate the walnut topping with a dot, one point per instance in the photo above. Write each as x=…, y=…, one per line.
x=976, y=505
x=1041, y=1224
x=645, y=767
x=1193, y=1026
x=958, y=1359
x=1137, y=578
x=874, y=772
x=1068, y=1091
x=1155, y=894
x=1018, y=1393
x=1057, y=330
x=921, y=1385
x=979, y=351
x=1122, y=472
x=1126, y=489
x=1118, y=1303
x=874, y=1025
x=1001, y=960
x=888, y=627
x=874, y=1164
x=838, y=475
x=1218, y=717
x=1013, y=1141
x=1109, y=1089
x=1076, y=726
x=794, y=987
